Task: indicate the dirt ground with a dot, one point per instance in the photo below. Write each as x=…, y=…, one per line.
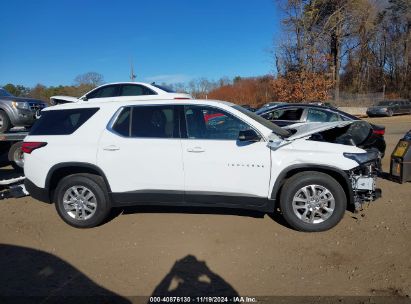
x=149, y=251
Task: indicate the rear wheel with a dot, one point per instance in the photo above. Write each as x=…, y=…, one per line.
x=82, y=200
x=312, y=201
x=390, y=113
x=5, y=123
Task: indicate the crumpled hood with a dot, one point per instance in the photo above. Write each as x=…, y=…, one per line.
x=65, y=98
x=301, y=130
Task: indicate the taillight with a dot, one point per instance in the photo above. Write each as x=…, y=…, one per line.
x=379, y=132
x=30, y=146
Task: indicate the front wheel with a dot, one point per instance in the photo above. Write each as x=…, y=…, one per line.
x=312, y=201
x=82, y=200
x=5, y=123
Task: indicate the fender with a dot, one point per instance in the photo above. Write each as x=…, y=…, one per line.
x=340, y=175
x=9, y=111
x=74, y=165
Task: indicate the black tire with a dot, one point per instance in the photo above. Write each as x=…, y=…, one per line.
x=95, y=184
x=16, y=156
x=293, y=185
x=390, y=113
x=5, y=123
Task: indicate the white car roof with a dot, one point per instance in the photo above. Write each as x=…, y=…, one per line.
x=148, y=85
x=138, y=102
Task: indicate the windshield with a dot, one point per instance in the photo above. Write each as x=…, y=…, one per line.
x=4, y=93
x=268, y=124
x=385, y=103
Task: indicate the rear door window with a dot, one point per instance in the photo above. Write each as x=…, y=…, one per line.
x=122, y=124
x=318, y=115
x=61, y=122
x=107, y=91
x=293, y=114
x=135, y=90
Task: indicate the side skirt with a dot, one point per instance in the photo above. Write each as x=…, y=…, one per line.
x=191, y=199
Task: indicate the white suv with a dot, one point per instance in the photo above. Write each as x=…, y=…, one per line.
x=90, y=157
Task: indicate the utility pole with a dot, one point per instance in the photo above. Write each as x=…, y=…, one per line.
x=132, y=75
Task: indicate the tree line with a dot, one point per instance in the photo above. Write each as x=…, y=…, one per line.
x=360, y=45
x=328, y=48
x=81, y=84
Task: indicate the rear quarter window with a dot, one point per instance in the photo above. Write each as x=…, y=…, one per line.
x=61, y=122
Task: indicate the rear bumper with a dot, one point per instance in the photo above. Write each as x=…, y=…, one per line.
x=38, y=193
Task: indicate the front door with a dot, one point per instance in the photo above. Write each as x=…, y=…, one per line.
x=218, y=167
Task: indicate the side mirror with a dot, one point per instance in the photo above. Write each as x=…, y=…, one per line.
x=248, y=135
x=84, y=98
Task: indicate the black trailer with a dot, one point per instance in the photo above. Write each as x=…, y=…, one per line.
x=10, y=143
x=12, y=187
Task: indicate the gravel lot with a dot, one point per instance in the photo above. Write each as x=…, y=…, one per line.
x=195, y=251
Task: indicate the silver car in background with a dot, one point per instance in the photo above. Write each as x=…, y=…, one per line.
x=17, y=111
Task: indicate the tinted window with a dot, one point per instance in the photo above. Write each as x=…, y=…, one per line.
x=386, y=103
x=154, y=122
x=164, y=88
x=212, y=123
x=61, y=122
x=4, y=93
x=135, y=90
x=107, y=91
x=122, y=124
x=284, y=114
x=316, y=115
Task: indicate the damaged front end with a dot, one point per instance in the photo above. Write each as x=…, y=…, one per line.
x=363, y=177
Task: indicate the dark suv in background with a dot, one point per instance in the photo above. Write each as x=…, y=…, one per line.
x=17, y=111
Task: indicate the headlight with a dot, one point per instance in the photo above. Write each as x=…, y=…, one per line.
x=21, y=105
x=362, y=158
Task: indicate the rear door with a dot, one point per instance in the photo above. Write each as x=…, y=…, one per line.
x=141, y=155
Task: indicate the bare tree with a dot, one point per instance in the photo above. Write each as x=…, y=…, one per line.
x=92, y=79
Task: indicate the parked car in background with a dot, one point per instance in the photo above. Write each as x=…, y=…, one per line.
x=289, y=114
x=165, y=152
x=271, y=104
x=17, y=111
x=124, y=91
x=390, y=108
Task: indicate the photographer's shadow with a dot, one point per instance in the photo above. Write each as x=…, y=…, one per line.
x=192, y=278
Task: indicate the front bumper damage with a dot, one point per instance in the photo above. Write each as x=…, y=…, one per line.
x=363, y=182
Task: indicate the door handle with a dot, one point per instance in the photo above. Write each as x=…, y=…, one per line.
x=195, y=150
x=111, y=148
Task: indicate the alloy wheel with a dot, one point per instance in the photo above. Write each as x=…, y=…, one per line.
x=313, y=204
x=80, y=202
